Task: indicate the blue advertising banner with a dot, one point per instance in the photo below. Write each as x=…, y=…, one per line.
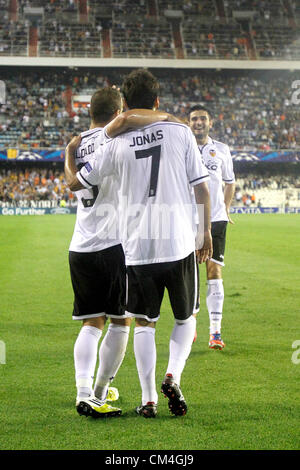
x=266, y=156
x=292, y=210
x=72, y=210
x=36, y=211
x=254, y=210
x=55, y=155
x=48, y=155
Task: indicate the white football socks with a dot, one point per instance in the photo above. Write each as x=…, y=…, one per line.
x=214, y=302
x=111, y=355
x=145, y=355
x=180, y=347
x=85, y=358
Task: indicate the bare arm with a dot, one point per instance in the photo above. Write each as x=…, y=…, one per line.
x=228, y=196
x=70, y=166
x=136, y=118
x=205, y=251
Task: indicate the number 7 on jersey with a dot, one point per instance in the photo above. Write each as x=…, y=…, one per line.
x=153, y=152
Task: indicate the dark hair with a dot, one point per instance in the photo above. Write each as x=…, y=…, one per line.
x=104, y=103
x=140, y=89
x=199, y=107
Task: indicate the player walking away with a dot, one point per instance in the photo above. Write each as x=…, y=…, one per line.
x=97, y=268
x=159, y=250
x=217, y=159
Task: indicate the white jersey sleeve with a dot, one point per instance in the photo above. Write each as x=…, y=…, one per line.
x=227, y=167
x=93, y=172
x=196, y=171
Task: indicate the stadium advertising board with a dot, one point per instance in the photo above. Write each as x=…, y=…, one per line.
x=46, y=155
x=254, y=210
x=55, y=155
x=72, y=210
x=36, y=211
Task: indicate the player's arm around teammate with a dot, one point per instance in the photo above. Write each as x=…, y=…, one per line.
x=135, y=118
x=131, y=119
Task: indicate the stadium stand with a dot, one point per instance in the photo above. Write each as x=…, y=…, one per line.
x=251, y=111
x=141, y=28
x=269, y=191
x=18, y=186
x=146, y=37
x=21, y=184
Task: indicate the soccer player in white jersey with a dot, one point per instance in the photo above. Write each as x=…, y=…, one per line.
x=97, y=268
x=218, y=161
x=155, y=167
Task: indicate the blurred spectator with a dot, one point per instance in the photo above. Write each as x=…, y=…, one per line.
x=250, y=110
x=33, y=184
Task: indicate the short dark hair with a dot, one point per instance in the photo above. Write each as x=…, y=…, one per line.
x=104, y=103
x=140, y=89
x=199, y=107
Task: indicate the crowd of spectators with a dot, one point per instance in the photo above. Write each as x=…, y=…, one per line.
x=207, y=30
x=254, y=182
x=119, y=7
x=33, y=184
x=58, y=39
x=48, y=184
x=249, y=187
x=142, y=38
x=215, y=40
x=250, y=111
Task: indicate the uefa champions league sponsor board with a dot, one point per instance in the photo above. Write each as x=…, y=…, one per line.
x=36, y=211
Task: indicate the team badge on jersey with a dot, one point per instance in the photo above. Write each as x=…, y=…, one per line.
x=88, y=167
x=212, y=152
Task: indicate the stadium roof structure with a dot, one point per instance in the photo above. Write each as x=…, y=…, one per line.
x=150, y=63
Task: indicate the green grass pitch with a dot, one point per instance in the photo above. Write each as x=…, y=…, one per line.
x=245, y=397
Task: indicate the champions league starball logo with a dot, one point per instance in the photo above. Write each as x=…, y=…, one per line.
x=29, y=156
x=245, y=157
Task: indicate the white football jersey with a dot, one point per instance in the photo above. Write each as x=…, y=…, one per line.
x=94, y=231
x=155, y=168
x=217, y=158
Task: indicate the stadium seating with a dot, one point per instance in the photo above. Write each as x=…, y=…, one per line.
x=18, y=186
x=142, y=37
x=251, y=111
x=130, y=28
x=58, y=39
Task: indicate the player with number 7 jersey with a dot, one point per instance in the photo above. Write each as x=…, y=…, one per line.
x=155, y=205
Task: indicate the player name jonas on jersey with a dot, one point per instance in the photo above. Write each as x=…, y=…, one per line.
x=155, y=167
x=217, y=158
x=147, y=138
x=94, y=229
